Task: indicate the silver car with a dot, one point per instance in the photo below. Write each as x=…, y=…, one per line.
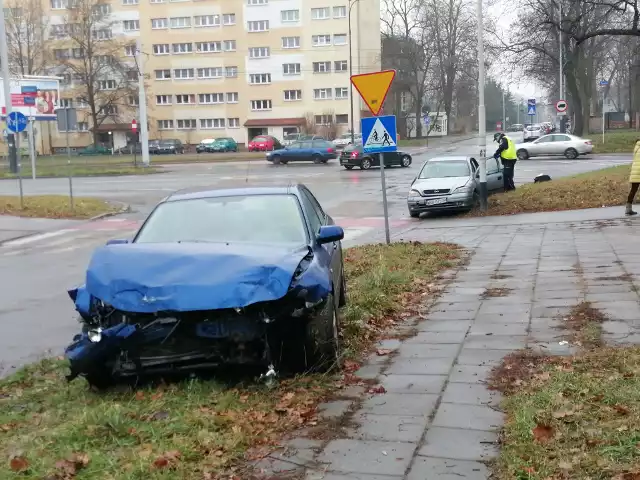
x=451, y=183
x=555, y=144
x=531, y=132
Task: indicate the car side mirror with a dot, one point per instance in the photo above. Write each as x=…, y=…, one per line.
x=117, y=241
x=329, y=233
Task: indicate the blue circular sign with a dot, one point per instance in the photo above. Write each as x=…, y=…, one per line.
x=17, y=122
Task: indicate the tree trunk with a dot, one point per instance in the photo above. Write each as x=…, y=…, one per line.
x=418, y=105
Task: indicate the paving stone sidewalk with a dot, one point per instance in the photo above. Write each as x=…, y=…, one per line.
x=437, y=420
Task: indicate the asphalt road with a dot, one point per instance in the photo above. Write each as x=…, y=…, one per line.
x=38, y=317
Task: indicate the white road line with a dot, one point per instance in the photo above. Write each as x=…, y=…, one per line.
x=36, y=238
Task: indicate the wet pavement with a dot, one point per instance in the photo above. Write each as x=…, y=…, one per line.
x=437, y=420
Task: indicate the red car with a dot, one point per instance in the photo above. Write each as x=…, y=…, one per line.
x=263, y=143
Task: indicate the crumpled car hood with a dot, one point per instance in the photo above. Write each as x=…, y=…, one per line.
x=149, y=278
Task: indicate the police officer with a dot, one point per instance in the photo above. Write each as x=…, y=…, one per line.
x=506, y=152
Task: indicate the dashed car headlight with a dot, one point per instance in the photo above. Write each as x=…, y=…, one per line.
x=413, y=193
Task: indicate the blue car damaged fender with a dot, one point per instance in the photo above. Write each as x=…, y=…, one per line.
x=188, y=277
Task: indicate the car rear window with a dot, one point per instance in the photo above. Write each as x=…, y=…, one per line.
x=257, y=219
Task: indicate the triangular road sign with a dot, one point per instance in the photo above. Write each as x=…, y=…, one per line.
x=379, y=137
x=373, y=88
x=532, y=110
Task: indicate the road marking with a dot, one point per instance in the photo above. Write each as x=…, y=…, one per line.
x=36, y=238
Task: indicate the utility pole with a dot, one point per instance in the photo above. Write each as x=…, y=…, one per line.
x=351, y=116
x=142, y=100
x=12, y=152
x=504, y=113
x=563, y=121
x=482, y=121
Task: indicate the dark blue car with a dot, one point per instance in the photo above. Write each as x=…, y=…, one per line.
x=316, y=151
x=242, y=276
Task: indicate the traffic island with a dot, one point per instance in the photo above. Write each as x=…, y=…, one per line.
x=227, y=427
x=55, y=206
x=601, y=188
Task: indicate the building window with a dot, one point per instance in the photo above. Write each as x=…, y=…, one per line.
x=231, y=72
x=323, y=119
x=157, y=1
x=61, y=53
x=102, y=34
x=320, y=13
x=179, y=48
x=109, y=109
x=340, y=66
x=321, y=40
x=163, y=99
x=292, y=95
x=210, y=98
x=165, y=124
x=81, y=103
x=229, y=45
x=321, y=67
x=133, y=100
x=290, y=15
x=291, y=69
x=232, y=97
x=100, y=10
x=290, y=42
x=66, y=103
x=258, y=26
x=340, y=12
x=257, y=105
x=259, y=52
x=130, y=50
x=163, y=74
x=342, y=119
x=83, y=126
x=131, y=25
x=257, y=2
x=341, y=92
x=129, y=2
x=58, y=4
x=208, y=47
x=211, y=123
x=132, y=75
x=159, y=23
x=233, y=123
x=229, y=19
x=107, y=84
x=322, y=94
x=210, y=72
x=340, y=39
x=207, y=20
x=183, y=73
x=79, y=53
x=180, y=22
x=185, y=99
x=259, y=78
x=161, y=49
x=186, y=124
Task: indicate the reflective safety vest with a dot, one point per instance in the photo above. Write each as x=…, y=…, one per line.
x=510, y=152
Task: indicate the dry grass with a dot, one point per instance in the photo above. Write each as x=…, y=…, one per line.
x=54, y=206
x=615, y=141
x=79, y=169
x=601, y=188
x=584, y=324
x=199, y=429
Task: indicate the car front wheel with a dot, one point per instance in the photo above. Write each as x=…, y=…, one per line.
x=414, y=214
x=276, y=159
x=522, y=154
x=321, y=342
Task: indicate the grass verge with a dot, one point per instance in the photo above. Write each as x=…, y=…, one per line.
x=571, y=417
x=80, y=170
x=54, y=206
x=601, y=188
x=615, y=141
x=198, y=429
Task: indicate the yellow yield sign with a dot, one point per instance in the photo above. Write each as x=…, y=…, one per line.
x=373, y=88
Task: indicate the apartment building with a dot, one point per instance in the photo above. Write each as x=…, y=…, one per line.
x=235, y=68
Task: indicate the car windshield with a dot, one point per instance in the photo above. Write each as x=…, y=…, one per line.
x=291, y=137
x=533, y=127
x=454, y=168
x=256, y=219
x=167, y=143
x=259, y=139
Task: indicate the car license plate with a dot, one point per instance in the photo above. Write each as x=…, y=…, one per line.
x=436, y=201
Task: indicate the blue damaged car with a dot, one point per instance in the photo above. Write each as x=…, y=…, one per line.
x=240, y=276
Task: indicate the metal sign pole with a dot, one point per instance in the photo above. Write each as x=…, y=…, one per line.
x=603, y=98
x=385, y=208
x=66, y=114
x=32, y=148
x=20, y=186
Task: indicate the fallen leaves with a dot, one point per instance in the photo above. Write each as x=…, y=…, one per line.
x=542, y=433
x=167, y=459
x=378, y=389
x=18, y=464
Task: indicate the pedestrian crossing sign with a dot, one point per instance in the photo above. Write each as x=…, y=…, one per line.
x=379, y=134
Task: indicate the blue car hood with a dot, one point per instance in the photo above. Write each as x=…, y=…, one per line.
x=148, y=278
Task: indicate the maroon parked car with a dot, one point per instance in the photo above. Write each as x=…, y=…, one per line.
x=264, y=143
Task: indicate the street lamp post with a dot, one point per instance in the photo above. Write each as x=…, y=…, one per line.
x=12, y=152
x=351, y=4
x=482, y=121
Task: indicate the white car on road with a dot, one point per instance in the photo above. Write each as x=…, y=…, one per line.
x=555, y=144
x=531, y=132
x=344, y=140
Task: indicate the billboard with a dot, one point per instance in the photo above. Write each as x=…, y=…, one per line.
x=33, y=96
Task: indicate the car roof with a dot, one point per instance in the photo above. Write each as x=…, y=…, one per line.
x=232, y=192
x=450, y=158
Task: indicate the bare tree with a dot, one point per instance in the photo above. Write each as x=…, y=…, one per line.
x=405, y=22
x=27, y=26
x=308, y=126
x=329, y=127
x=92, y=59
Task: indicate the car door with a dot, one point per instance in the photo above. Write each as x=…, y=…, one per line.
x=560, y=144
x=541, y=146
x=305, y=151
x=494, y=175
x=289, y=152
x=334, y=250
